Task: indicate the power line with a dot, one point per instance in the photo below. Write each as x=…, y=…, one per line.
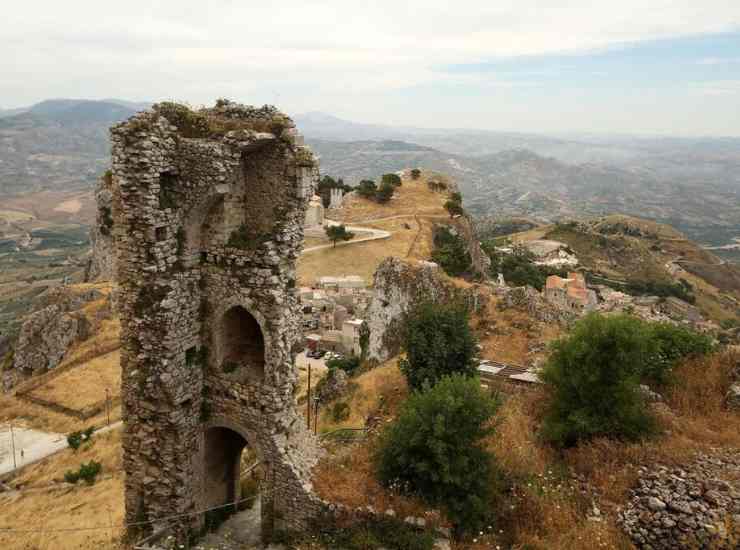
x=136, y=523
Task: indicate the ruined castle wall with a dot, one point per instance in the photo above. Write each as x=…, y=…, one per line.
x=205, y=224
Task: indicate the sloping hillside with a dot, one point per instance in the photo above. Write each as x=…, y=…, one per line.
x=409, y=217
x=634, y=250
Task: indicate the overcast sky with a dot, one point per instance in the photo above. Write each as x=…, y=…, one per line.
x=628, y=66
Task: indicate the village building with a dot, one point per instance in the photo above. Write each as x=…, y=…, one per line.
x=570, y=293
x=336, y=195
x=351, y=336
x=314, y=213
x=345, y=282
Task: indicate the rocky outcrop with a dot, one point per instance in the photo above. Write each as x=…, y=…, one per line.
x=101, y=265
x=333, y=385
x=480, y=261
x=47, y=334
x=528, y=299
x=732, y=400
x=693, y=507
x=398, y=287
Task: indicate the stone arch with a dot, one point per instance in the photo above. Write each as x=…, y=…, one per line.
x=217, y=336
x=222, y=450
x=240, y=344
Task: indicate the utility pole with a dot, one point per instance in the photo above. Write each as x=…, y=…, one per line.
x=12, y=443
x=316, y=417
x=308, y=399
x=107, y=404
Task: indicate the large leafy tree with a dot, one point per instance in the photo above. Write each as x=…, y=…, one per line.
x=393, y=179
x=438, y=342
x=594, y=376
x=435, y=450
x=384, y=192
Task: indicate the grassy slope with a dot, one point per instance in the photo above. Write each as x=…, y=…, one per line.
x=411, y=234
x=625, y=257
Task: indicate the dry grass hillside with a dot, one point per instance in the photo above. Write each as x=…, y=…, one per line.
x=409, y=217
x=44, y=507
x=631, y=249
x=549, y=497
x=89, y=372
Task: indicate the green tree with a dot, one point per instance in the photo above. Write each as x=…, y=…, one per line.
x=415, y=174
x=338, y=233
x=384, y=192
x=594, y=375
x=393, y=179
x=673, y=343
x=438, y=342
x=435, y=450
x=454, y=208
x=451, y=252
x=347, y=364
x=367, y=189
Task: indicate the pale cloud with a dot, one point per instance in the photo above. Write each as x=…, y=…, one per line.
x=310, y=54
x=717, y=87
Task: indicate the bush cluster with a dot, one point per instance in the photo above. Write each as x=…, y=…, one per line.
x=435, y=450
x=438, y=342
x=451, y=252
x=87, y=472
x=348, y=364
x=594, y=375
x=382, y=193
x=76, y=439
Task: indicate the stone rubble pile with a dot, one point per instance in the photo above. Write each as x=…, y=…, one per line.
x=693, y=507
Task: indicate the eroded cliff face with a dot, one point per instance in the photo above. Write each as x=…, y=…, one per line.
x=399, y=287
x=102, y=263
x=480, y=260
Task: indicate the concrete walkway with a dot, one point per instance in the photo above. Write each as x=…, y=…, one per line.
x=375, y=234
x=32, y=446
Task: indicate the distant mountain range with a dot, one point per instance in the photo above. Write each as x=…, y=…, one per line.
x=692, y=184
x=59, y=144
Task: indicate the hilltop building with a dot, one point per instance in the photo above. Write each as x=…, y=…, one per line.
x=570, y=293
x=314, y=213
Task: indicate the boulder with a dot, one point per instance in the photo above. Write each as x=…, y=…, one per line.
x=732, y=399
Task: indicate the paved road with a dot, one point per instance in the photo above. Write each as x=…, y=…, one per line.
x=375, y=234
x=32, y=445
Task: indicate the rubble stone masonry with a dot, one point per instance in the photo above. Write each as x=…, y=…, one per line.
x=208, y=208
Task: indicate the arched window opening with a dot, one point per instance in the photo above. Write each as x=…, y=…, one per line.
x=242, y=344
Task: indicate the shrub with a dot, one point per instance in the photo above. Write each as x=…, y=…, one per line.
x=246, y=239
x=75, y=439
x=451, y=253
x=594, y=376
x=434, y=450
x=367, y=189
x=340, y=411
x=384, y=192
x=454, y=208
x=87, y=472
x=392, y=179
x=674, y=343
x=347, y=364
x=229, y=366
x=438, y=342
x=415, y=174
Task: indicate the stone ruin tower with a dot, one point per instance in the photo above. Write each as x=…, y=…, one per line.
x=208, y=209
